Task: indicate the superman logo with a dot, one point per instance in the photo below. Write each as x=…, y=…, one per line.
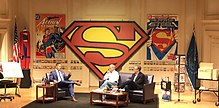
x=162, y=39
x=101, y=43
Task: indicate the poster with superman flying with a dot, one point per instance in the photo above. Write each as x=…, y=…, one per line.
x=49, y=28
x=163, y=31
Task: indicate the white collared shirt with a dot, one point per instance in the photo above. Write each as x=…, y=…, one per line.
x=112, y=76
x=60, y=78
x=136, y=75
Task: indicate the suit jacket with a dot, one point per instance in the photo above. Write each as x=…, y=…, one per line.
x=53, y=76
x=140, y=80
x=1, y=76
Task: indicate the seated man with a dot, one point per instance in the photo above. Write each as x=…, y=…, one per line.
x=1, y=70
x=1, y=76
x=110, y=78
x=136, y=81
x=58, y=76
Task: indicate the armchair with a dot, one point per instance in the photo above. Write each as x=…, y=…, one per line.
x=147, y=93
x=59, y=92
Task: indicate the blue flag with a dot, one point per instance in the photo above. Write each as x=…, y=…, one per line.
x=192, y=61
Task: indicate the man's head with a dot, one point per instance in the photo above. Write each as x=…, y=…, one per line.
x=112, y=67
x=58, y=66
x=47, y=31
x=137, y=69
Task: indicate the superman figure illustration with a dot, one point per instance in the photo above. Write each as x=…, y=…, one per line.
x=51, y=42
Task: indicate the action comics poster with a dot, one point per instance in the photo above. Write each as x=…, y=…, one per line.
x=49, y=28
x=163, y=31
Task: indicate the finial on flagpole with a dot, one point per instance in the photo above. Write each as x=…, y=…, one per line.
x=193, y=27
x=15, y=18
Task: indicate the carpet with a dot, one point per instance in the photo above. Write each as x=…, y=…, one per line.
x=84, y=102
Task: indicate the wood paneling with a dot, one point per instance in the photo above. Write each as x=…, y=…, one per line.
x=106, y=9
x=4, y=8
x=163, y=6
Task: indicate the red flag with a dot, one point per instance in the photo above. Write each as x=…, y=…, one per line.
x=15, y=45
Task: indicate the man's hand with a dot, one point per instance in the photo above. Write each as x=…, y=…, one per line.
x=69, y=72
x=55, y=81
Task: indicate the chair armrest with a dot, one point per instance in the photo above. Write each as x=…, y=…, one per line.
x=56, y=85
x=100, y=82
x=148, y=91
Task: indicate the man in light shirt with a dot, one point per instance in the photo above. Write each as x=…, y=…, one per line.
x=136, y=81
x=110, y=78
x=58, y=76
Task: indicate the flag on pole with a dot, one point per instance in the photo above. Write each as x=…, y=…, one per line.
x=192, y=61
x=15, y=45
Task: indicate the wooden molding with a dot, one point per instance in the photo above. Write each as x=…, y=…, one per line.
x=210, y=21
x=4, y=20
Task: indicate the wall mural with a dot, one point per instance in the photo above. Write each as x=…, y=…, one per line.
x=49, y=28
x=101, y=43
x=162, y=30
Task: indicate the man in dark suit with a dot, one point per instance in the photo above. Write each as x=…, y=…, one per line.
x=1, y=75
x=58, y=76
x=136, y=82
x=1, y=70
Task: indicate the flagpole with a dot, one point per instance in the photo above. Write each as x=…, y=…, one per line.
x=192, y=64
x=15, y=44
x=16, y=55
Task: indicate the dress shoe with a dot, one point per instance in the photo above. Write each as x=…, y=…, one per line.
x=73, y=99
x=78, y=84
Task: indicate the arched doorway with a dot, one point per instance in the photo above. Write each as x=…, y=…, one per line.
x=4, y=45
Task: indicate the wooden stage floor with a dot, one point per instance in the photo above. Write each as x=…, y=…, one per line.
x=29, y=94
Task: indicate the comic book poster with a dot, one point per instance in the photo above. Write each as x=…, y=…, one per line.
x=162, y=30
x=49, y=28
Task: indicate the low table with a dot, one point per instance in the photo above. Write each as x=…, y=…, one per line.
x=116, y=102
x=44, y=97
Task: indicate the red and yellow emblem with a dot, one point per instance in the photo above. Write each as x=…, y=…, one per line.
x=101, y=43
x=162, y=39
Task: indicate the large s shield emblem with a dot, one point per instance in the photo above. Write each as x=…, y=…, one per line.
x=101, y=43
